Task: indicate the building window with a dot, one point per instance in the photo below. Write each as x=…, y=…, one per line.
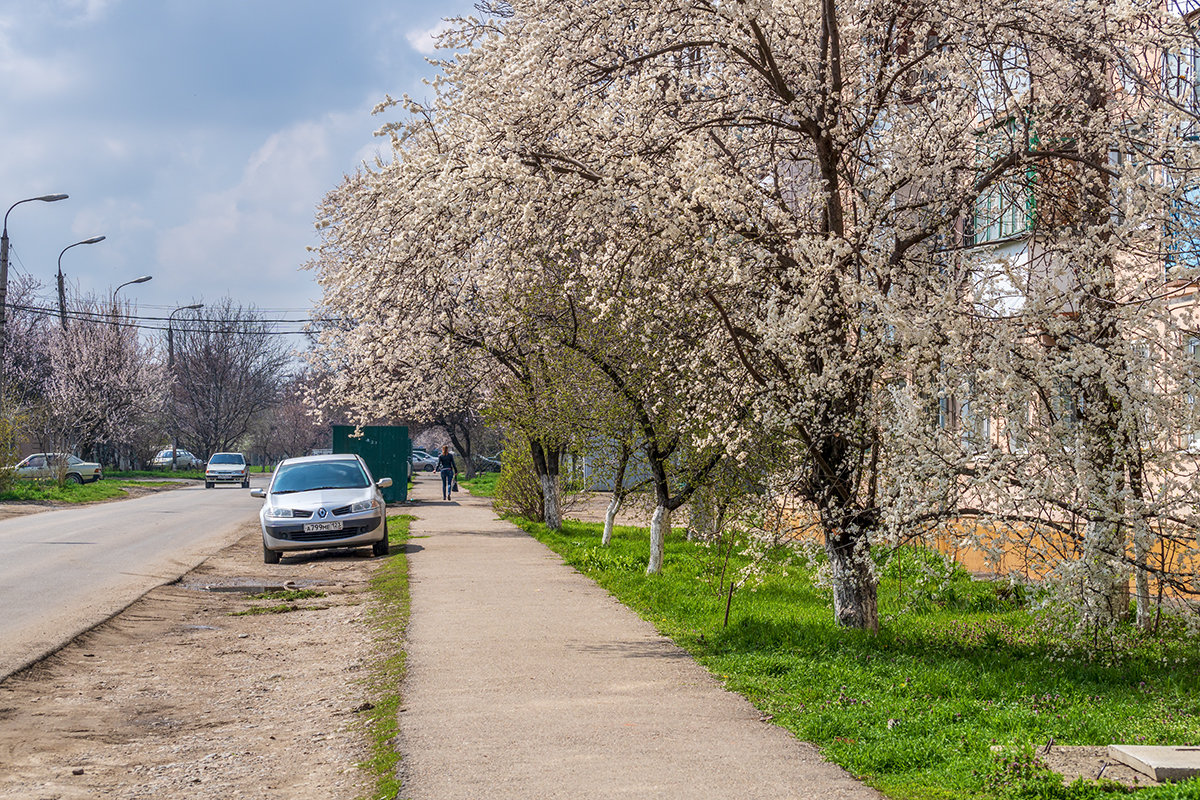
x=1182, y=235
x=1001, y=212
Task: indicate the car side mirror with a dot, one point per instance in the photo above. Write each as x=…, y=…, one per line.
x=261, y=494
x=383, y=483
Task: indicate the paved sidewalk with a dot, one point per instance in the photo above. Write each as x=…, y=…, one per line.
x=526, y=680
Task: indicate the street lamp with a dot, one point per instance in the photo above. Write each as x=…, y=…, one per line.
x=142, y=279
x=171, y=364
x=170, y=332
x=46, y=198
x=62, y=294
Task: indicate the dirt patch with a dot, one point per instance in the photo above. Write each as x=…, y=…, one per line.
x=182, y=696
x=1091, y=763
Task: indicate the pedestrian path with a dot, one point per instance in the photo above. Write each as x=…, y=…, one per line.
x=526, y=680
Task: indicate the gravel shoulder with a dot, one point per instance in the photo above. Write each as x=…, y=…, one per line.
x=177, y=697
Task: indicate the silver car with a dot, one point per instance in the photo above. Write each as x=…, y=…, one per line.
x=182, y=459
x=226, y=468
x=51, y=465
x=319, y=502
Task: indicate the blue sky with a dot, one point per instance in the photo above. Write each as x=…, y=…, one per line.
x=198, y=136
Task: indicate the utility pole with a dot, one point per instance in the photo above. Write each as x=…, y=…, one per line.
x=46, y=198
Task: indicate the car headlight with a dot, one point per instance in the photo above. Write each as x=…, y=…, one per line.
x=364, y=505
x=276, y=511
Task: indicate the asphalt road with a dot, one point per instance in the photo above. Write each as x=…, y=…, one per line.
x=65, y=571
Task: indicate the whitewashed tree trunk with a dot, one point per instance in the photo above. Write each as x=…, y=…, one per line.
x=660, y=526
x=610, y=517
x=553, y=508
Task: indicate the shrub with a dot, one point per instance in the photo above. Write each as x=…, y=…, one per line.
x=518, y=490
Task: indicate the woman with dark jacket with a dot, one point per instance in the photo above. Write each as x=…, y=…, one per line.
x=448, y=469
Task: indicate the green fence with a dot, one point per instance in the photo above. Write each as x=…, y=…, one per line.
x=385, y=448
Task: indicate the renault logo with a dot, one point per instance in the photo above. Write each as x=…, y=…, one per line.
x=321, y=512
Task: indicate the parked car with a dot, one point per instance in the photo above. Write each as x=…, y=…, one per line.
x=226, y=468
x=320, y=502
x=183, y=459
x=49, y=465
x=487, y=463
x=422, y=461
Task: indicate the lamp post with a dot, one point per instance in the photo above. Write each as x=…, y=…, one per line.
x=62, y=294
x=46, y=198
x=171, y=365
x=142, y=279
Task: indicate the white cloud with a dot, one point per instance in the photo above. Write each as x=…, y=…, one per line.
x=249, y=239
x=28, y=76
x=425, y=41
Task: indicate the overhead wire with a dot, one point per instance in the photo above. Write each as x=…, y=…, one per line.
x=184, y=325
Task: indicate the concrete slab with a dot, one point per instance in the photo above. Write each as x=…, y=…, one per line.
x=1160, y=763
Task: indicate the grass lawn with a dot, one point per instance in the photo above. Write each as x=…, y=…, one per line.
x=482, y=485
x=70, y=493
x=913, y=710
x=192, y=474
x=166, y=474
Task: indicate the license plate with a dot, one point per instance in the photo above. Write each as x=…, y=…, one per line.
x=317, y=527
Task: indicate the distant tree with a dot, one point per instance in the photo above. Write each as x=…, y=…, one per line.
x=290, y=427
x=228, y=368
x=103, y=382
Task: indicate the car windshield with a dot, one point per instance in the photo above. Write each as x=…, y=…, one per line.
x=227, y=458
x=308, y=476
x=72, y=460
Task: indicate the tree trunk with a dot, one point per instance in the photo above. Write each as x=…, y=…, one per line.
x=546, y=465
x=618, y=495
x=855, y=604
x=610, y=516
x=660, y=526
x=848, y=545
x=550, y=495
x=1106, y=581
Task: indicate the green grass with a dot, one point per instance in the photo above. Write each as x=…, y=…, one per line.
x=48, y=491
x=390, y=617
x=482, y=485
x=957, y=667
x=288, y=594
x=191, y=474
x=256, y=610
x=166, y=474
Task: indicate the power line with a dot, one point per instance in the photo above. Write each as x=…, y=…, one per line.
x=183, y=326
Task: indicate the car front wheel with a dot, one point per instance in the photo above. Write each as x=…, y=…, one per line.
x=73, y=478
x=380, y=548
x=270, y=556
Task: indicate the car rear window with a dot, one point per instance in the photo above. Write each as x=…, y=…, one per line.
x=227, y=458
x=305, y=477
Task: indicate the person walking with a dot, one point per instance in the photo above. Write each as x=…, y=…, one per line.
x=448, y=469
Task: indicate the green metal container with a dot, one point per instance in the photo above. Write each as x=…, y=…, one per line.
x=385, y=448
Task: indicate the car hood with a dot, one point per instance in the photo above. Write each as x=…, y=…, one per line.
x=227, y=468
x=320, y=498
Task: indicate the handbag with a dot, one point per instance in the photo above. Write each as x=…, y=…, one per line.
x=454, y=486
